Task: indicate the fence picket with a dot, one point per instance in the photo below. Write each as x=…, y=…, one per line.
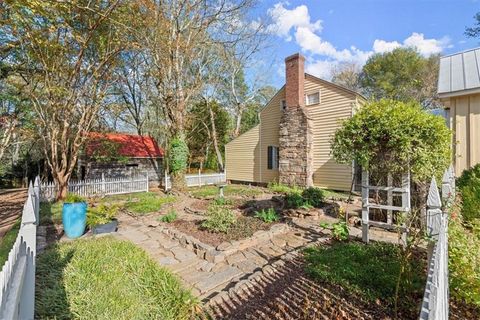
x=17, y=277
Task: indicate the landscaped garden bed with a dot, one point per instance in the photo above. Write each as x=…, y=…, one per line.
x=243, y=228
x=106, y=279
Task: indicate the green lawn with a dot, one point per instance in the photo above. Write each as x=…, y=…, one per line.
x=7, y=242
x=146, y=202
x=369, y=272
x=107, y=278
x=230, y=190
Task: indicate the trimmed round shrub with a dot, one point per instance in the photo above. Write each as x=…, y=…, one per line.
x=313, y=196
x=469, y=187
x=391, y=136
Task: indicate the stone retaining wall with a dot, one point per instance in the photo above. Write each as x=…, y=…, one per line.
x=225, y=249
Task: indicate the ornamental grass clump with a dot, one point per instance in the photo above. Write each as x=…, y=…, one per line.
x=219, y=219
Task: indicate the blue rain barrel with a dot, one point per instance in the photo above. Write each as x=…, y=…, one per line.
x=74, y=218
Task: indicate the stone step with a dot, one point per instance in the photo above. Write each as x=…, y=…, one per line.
x=219, y=278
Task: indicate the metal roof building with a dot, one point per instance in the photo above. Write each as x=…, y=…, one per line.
x=459, y=73
x=459, y=91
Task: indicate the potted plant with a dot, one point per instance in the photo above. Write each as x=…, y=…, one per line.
x=74, y=215
x=101, y=219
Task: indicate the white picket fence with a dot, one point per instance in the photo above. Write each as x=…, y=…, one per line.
x=198, y=180
x=99, y=187
x=436, y=296
x=17, y=278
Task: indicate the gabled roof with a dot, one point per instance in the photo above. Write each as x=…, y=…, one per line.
x=459, y=73
x=132, y=146
x=336, y=85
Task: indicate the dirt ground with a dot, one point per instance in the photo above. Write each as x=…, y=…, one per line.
x=11, y=205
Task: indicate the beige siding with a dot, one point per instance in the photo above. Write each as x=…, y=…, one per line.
x=335, y=105
x=465, y=122
x=246, y=156
x=242, y=157
x=269, y=130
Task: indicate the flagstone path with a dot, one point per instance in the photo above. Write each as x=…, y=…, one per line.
x=205, y=277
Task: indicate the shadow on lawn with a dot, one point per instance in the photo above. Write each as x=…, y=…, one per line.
x=50, y=295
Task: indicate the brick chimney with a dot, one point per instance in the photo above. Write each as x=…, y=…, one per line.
x=295, y=135
x=295, y=80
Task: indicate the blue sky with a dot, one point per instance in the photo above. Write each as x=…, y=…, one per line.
x=329, y=32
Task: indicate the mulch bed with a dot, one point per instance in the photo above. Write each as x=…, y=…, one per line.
x=244, y=228
x=292, y=294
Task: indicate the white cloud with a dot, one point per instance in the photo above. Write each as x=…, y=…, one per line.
x=426, y=47
x=381, y=46
x=297, y=24
x=284, y=20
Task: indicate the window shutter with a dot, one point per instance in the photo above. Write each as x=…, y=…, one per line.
x=269, y=165
x=278, y=157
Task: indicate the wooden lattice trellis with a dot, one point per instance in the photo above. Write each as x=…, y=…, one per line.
x=404, y=209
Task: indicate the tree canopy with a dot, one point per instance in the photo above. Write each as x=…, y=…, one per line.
x=474, y=31
x=402, y=74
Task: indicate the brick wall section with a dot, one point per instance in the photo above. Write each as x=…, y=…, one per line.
x=295, y=80
x=295, y=135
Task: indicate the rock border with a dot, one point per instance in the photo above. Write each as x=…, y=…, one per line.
x=225, y=249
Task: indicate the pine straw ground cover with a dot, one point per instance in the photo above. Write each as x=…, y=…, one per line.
x=338, y=281
x=106, y=278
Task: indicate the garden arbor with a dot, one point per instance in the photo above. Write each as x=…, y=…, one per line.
x=403, y=210
x=403, y=146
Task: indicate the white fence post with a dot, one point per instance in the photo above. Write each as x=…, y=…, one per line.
x=148, y=183
x=435, y=299
x=365, y=210
x=405, y=204
x=17, y=277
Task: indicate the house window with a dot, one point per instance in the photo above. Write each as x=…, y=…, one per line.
x=312, y=98
x=273, y=157
x=283, y=105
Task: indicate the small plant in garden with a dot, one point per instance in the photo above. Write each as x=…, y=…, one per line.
x=464, y=263
x=73, y=198
x=339, y=230
x=219, y=219
x=313, y=196
x=222, y=201
x=469, y=187
x=294, y=200
x=268, y=216
x=101, y=214
x=169, y=217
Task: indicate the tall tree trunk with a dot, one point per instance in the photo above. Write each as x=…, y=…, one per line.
x=62, y=184
x=238, y=124
x=215, y=140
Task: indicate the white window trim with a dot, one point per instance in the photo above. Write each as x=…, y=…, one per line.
x=283, y=107
x=310, y=93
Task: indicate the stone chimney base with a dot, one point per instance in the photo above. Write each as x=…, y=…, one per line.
x=296, y=148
